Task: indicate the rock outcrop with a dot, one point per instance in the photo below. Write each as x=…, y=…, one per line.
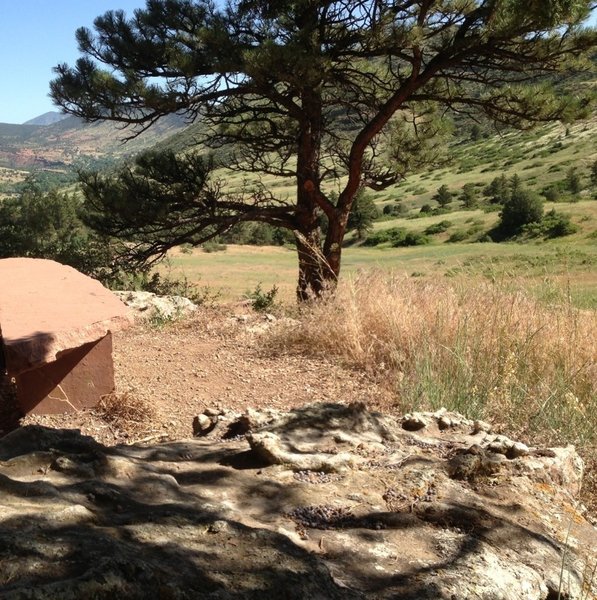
x=326, y=501
x=147, y=305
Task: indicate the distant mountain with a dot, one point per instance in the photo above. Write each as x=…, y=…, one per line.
x=48, y=118
x=69, y=143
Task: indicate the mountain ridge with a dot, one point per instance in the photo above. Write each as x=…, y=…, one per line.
x=70, y=143
x=47, y=118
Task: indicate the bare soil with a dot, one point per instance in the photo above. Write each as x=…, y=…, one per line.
x=166, y=375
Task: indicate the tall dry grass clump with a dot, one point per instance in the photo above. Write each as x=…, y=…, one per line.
x=477, y=348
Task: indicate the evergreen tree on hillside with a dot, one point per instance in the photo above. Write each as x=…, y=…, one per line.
x=443, y=196
x=594, y=174
x=521, y=208
x=363, y=213
x=573, y=183
x=469, y=195
x=316, y=91
x=498, y=191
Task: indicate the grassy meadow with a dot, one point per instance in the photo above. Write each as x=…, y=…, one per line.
x=554, y=272
x=557, y=270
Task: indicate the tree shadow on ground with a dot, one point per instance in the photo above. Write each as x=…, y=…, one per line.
x=87, y=524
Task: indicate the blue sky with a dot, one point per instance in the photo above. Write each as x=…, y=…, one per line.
x=36, y=35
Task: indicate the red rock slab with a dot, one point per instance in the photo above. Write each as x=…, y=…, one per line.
x=47, y=309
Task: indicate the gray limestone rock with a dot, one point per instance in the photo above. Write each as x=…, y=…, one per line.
x=322, y=502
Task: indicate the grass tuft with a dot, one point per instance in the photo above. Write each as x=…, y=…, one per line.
x=128, y=412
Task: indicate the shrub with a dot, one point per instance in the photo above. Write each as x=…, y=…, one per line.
x=572, y=181
x=263, y=301
x=213, y=246
x=397, y=236
x=384, y=236
x=412, y=238
x=438, y=227
x=498, y=191
x=131, y=414
x=362, y=215
x=552, y=225
x=458, y=236
x=469, y=195
x=476, y=132
x=523, y=207
x=551, y=194
x=443, y=196
x=593, y=175
x=41, y=224
x=394, y=209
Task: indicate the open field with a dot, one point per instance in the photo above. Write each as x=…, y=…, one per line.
x=558, y=271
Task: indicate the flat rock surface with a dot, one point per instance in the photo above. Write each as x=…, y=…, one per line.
x=324, y=501
x=47, y=308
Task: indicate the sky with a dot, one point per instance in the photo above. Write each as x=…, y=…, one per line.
x=35, y=36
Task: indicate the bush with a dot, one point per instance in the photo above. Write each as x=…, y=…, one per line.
x=523, y=207
x=458, y=236
x=363, y=213
x=412, y=238
x=396, y=237
x=443, y=196
x=552, y=225
x=498, y=191
x=572, y=181
x=551, y=194
x=469, y=195
x=39, y=224
x=438, y=227
x=263, y=301
x=385, y=236
x=213, y=246
x=394, y=209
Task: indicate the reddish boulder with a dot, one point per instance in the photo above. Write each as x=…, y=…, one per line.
x=55, y=327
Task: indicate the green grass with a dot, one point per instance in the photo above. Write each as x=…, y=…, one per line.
x=542, y=267
x=540, y=157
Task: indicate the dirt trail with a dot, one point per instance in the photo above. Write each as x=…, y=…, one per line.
x=210, y=360
x=167, y=375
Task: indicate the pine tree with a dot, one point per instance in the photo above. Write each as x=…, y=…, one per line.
x=443, y=196
x=315, y=91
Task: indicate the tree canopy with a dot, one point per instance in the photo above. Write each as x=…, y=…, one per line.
x=335, y=95
x=42, y=224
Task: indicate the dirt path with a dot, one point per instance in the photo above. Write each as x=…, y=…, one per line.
x=167, y=375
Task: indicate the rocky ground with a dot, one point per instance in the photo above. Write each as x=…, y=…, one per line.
x=169, y=372
x=326, y=501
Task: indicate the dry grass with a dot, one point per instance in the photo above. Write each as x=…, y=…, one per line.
x=480, y=349
x=126, y=411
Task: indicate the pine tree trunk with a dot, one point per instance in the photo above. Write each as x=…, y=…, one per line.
x=319, y=267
